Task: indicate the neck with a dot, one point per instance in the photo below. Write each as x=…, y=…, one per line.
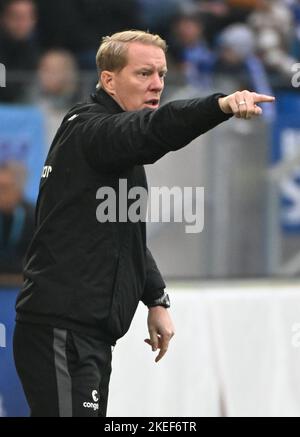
x=113, y=97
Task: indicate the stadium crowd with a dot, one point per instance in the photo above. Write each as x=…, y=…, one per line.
x=48, y=47
x=47, y=42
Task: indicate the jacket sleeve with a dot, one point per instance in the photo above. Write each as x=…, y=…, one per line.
x=155, y=285
x=113, y=142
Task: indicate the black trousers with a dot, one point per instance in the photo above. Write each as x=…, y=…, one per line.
x=63, y=373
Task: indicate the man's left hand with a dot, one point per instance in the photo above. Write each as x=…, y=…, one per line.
x=161, y=330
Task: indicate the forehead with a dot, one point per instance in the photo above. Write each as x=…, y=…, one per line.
x=20, y=7
x=54, y=60
x=140, y=54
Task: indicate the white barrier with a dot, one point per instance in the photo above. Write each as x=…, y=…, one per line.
x=236, y=352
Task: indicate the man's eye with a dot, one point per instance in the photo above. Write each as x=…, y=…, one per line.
x=144, y=73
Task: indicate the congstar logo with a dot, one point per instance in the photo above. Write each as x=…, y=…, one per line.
x=93, y=405
x=95, y=396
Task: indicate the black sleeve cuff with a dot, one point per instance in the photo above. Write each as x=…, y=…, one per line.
x=163, y=301
x=148, y=298
x=214, y=98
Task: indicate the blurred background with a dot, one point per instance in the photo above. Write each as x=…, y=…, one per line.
x=242, y=270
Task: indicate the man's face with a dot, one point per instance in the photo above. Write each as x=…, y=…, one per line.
x=9, y=193
x=56, y=74
x=19, y=19
x=189, y=31
x=140, y=83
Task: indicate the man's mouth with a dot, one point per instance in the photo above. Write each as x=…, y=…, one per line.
x=152, y=102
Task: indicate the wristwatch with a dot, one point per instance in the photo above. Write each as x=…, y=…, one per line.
x=163, y=301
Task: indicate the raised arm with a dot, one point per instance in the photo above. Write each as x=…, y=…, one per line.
x=115, y=142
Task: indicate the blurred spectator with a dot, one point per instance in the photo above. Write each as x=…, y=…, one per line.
x=218, y=14
x=242, y=4
x=16, y=218
x=236, y=64
x=18, y=48
x=156, y=15
x=272, y=22
x=79, y=25
x=191, y=50
x=61, y=25
x=57, y=88
x=294, y=6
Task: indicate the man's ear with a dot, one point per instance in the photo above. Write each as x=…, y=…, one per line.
x=107, y=80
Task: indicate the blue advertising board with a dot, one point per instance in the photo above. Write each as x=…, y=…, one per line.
x=12, y=399
x=286, y=147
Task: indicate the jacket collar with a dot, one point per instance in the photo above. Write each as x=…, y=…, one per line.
x=101, y=97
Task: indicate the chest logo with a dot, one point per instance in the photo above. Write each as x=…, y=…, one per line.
x=46, y=171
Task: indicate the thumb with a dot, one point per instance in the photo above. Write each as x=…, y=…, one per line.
x=150, y=344
x=258, y=110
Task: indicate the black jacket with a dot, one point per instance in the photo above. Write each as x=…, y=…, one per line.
x=85, y=275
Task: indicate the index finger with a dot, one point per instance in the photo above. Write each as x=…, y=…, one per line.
x=164, y=343
x=263, y=98
x=162, y=352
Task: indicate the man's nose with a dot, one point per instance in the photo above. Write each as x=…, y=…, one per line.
x=157, y=82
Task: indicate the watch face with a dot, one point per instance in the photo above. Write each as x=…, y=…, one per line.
x=167, y=300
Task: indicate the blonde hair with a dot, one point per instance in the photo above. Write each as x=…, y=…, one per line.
x=112, y=53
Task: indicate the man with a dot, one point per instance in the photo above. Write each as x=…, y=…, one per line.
x=84, y=278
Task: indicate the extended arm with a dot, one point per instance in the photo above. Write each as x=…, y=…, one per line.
x=113, y=142
x=117, y=141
